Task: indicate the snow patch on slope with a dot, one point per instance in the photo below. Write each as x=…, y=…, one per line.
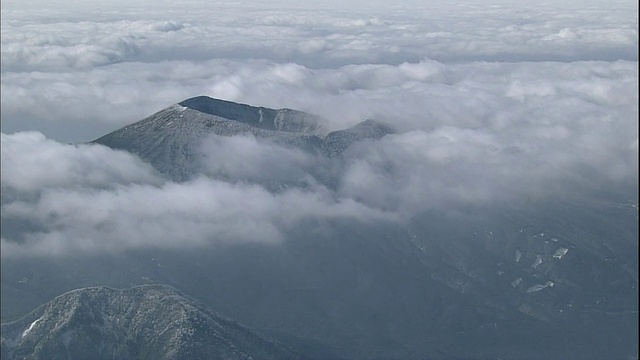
x=560, y=253
x=539, y=287
x=28, y=330
x=537, y=262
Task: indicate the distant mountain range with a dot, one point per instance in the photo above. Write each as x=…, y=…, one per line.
x=535, y=280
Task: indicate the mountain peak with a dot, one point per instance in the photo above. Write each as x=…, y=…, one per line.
x=171, y=138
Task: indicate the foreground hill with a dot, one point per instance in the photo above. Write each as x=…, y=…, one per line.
x=146, y=322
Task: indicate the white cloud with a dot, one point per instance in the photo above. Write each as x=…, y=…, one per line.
x=31, y=163
x=316, y=36
x=104, y=65
x=198, y=213
x=250, y=159
x=492, y=103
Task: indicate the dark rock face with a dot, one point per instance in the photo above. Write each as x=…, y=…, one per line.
x=146, y=322
x=286, y=120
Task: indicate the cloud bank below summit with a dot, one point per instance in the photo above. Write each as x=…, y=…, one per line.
x=493, y=104
x=97, y=199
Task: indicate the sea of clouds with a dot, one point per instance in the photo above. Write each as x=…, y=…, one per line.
x=492, y=101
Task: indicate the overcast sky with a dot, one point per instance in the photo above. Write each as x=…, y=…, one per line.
x=494, y=100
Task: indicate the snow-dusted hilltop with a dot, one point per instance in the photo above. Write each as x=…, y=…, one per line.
x=170, y=139
x=144, y=322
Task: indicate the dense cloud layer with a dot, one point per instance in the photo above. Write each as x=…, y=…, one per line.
x=493, y=104
x=104, y=65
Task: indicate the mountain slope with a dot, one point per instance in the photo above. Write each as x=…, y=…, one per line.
x=146, y=322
